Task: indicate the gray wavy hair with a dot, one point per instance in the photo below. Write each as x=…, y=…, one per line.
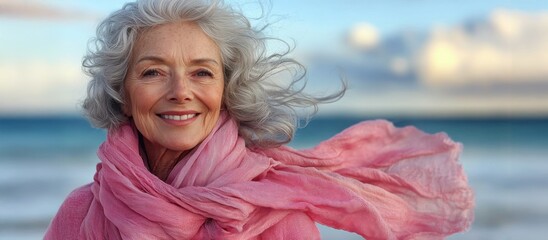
x=267, y=110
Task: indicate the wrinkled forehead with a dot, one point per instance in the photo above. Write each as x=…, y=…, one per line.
x=177, y=39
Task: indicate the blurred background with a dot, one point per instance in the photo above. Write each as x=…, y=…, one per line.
x=477, y=70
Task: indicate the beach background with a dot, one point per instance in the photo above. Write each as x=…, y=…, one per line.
x=476, y=70
x=43, y=159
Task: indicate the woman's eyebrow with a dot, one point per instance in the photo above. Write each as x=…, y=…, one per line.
x=193, y=61
x=205, y=61
x=151, y=58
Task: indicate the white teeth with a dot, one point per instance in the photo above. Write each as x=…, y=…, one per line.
x=178, y=117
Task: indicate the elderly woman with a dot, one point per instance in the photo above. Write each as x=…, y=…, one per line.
x=196, y=125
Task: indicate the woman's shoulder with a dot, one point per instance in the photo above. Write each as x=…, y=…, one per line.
x=80, y=194
x=72, y=212
x=78, y=201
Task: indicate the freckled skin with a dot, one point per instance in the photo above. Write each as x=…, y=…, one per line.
x=176, y=69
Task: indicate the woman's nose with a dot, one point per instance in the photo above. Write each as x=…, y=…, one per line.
x=179, y=89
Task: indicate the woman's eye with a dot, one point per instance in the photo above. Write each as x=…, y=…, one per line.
x=204, y=73
x=151, y=73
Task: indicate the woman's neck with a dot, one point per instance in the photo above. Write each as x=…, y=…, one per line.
x=160, y=160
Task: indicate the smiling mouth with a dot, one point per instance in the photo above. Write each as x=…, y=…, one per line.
x=178, y=117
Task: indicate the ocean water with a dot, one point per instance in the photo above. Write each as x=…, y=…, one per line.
x=43, y=159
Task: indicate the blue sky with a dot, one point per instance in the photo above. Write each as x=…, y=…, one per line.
x=42, y=44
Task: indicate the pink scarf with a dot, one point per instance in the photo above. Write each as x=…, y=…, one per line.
x=373, y=179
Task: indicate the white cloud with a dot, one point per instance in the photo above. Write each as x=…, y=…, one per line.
x=491, y=66
x=508, y=47
x=41, y=86
x=31, y=9
x=363, y=36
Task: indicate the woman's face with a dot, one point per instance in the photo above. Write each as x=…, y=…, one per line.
x=174, y=85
